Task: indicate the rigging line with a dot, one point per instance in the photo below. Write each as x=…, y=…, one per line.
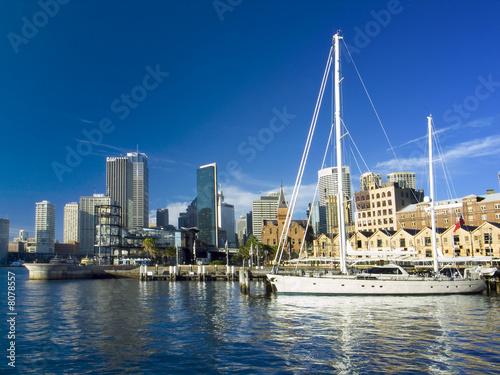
x=316, y=190
x=373, y=106
x=298, y=180
x=356, y=147
x=449, y=181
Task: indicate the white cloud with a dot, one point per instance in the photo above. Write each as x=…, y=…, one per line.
x=174, y=209
x=459, y=154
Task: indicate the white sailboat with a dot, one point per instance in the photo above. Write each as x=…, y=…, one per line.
x=388, y=279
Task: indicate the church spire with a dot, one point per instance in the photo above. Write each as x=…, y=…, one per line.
x=282, y=198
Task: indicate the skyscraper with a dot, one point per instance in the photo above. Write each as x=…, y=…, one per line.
x=266, y=208
x=328, y=185
x=71, y=222
x=162, y=218
x=4, y=238
x=45, y=227
x=226, y=221
x=208, y=216
x=119, y=186
x=87, y=220
x=140, y=195
x=404, y=179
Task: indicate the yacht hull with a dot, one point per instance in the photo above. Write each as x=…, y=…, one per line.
x=351, y=285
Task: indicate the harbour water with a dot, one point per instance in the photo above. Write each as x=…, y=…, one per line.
x=125, y=326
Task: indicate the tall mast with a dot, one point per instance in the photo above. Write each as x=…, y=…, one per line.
x=340, y=179
x=433, y=212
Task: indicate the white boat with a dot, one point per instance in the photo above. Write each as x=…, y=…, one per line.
x=383, y=280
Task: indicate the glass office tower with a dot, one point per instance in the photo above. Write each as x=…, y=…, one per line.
x=208, y=218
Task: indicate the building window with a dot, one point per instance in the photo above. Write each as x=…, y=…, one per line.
x=484, y=217
x=379, y=243
x=270, y=231
x=456, y=240
x=483, y=208
x=402, y=242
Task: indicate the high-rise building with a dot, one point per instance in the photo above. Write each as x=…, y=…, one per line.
x=70, y=232
x=226, y=221
x=404, y=179
x=266, y=208
x=4, y=238
x=45, y=227
x=208, y=215
x=140, y=195
x=87, y=220
x=189, y=218
x=370, y=179
x=328, y=185
x=119, y=186
x=162, y=218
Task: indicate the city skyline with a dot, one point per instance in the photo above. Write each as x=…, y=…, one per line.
x=192, y=84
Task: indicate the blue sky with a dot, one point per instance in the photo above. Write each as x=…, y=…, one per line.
x=235, y=82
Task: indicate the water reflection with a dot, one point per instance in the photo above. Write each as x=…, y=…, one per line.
x=133, y=327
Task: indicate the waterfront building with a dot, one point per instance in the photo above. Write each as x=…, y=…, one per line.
x=403, y=179
x=208, y=213
x=88, y=220
x=70, y=232
x=266, y=208
x=4, y=238
x=119, y=186
x=272, y=229
x=327, y=188
x=45, y=227
x=140, y=185
x=377, y=206
x=162, y=218
x=474, y=209
x=226, y=222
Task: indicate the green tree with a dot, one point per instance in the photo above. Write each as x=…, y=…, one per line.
x=149, y=245
x=171, y=252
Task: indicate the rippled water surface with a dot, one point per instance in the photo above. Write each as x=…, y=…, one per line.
x=123, y=326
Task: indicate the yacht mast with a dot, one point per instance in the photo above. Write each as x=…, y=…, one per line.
x=340, y=179
x=433, y=212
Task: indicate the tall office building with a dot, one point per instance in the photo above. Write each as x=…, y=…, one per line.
x=226, y=221
x=70, y=232
x=370, y=179
x=162, y=218
x=208, y=215
x=404, y=179
x=4, y=238
x=266, y=208
x=45, y=227
x=140, y=195
x=87, y=220
x=189, y=218
x=119, y=186
x=328, y=185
